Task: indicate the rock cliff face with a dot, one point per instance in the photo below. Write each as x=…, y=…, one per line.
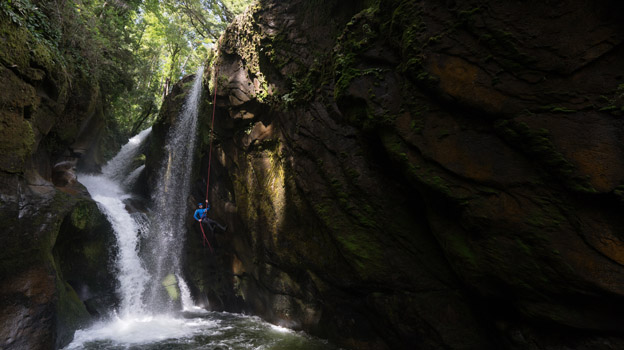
x=421, y=174
x=55, y=242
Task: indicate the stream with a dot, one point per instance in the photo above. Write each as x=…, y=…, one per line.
x=194, y=330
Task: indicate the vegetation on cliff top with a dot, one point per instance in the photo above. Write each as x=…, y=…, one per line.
x=132, y=50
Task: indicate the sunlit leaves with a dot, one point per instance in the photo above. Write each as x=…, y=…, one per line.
x=132, y=49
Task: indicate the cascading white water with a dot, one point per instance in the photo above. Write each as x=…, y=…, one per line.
x=132, y=276
x=106, y=190
x=186, y=299
x=132, y=178
x=170, y=199
x=120, y=166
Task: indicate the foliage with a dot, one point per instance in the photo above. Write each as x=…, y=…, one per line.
x=208, y=17
x=171, y=41
x=133, y=50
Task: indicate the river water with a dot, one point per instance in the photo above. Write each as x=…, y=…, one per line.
x=194, y=330
x=156, y=310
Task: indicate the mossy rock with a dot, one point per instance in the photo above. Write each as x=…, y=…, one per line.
x=71, y=314
x=84, y=252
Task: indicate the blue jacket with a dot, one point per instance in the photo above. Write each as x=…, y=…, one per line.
x=201, y=213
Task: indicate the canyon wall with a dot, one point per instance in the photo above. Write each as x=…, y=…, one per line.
x=56, y=245
x=419, y=174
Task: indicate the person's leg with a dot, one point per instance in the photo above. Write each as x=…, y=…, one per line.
x=214, y=223
x=207, y=223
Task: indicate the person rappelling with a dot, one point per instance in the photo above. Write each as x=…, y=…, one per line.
x=201, y=215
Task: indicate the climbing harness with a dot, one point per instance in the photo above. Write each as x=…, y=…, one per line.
x=214, y=108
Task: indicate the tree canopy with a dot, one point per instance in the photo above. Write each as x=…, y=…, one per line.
x=134, y=49
x=171, y=38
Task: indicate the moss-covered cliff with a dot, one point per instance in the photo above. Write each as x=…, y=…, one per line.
x=55, y=243
x=417, y=174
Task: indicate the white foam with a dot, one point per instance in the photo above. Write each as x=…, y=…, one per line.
x=142, y=330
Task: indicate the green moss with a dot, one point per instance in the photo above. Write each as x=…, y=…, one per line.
x=171, y=285
x=352, y=174
x=81, y=216
x=525, y=248
x=181, y=96
x=366, y=252
x=354, y=228
x=17, y=140
x=417, y=125
x=536, y=143
x=359, y=34
x=94, y=252
x=619, y=192
x=555, y=109
x=304, y=86
x=42, y=54
x=609, y=109
x=502, y=45
x=406, y=23
x=12, y=48
x=547, y=214
x=244, y=39
x=543, y=220
x=30, y=40
x=459, y=246
x=562, y=110
x=397, y=150
x=613, y=103
x=71, y=313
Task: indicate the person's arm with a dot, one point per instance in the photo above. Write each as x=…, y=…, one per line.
x=207, y=207
x=196, y=215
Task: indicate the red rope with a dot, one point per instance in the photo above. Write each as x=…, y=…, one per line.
x=205, y=239
x=214, y=107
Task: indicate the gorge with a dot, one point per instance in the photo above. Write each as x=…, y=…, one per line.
x=393, y=174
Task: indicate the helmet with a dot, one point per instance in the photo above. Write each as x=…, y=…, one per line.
x=200, y=204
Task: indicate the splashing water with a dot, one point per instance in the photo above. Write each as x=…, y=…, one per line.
x=210, y=331
x=187, y=300
x=118, y=168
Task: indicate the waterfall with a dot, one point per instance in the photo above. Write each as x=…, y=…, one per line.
x=107, y=191
x=132, y=178
x=169, y=199
x=185, y=296
x=120, y=166
x=149, y=281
